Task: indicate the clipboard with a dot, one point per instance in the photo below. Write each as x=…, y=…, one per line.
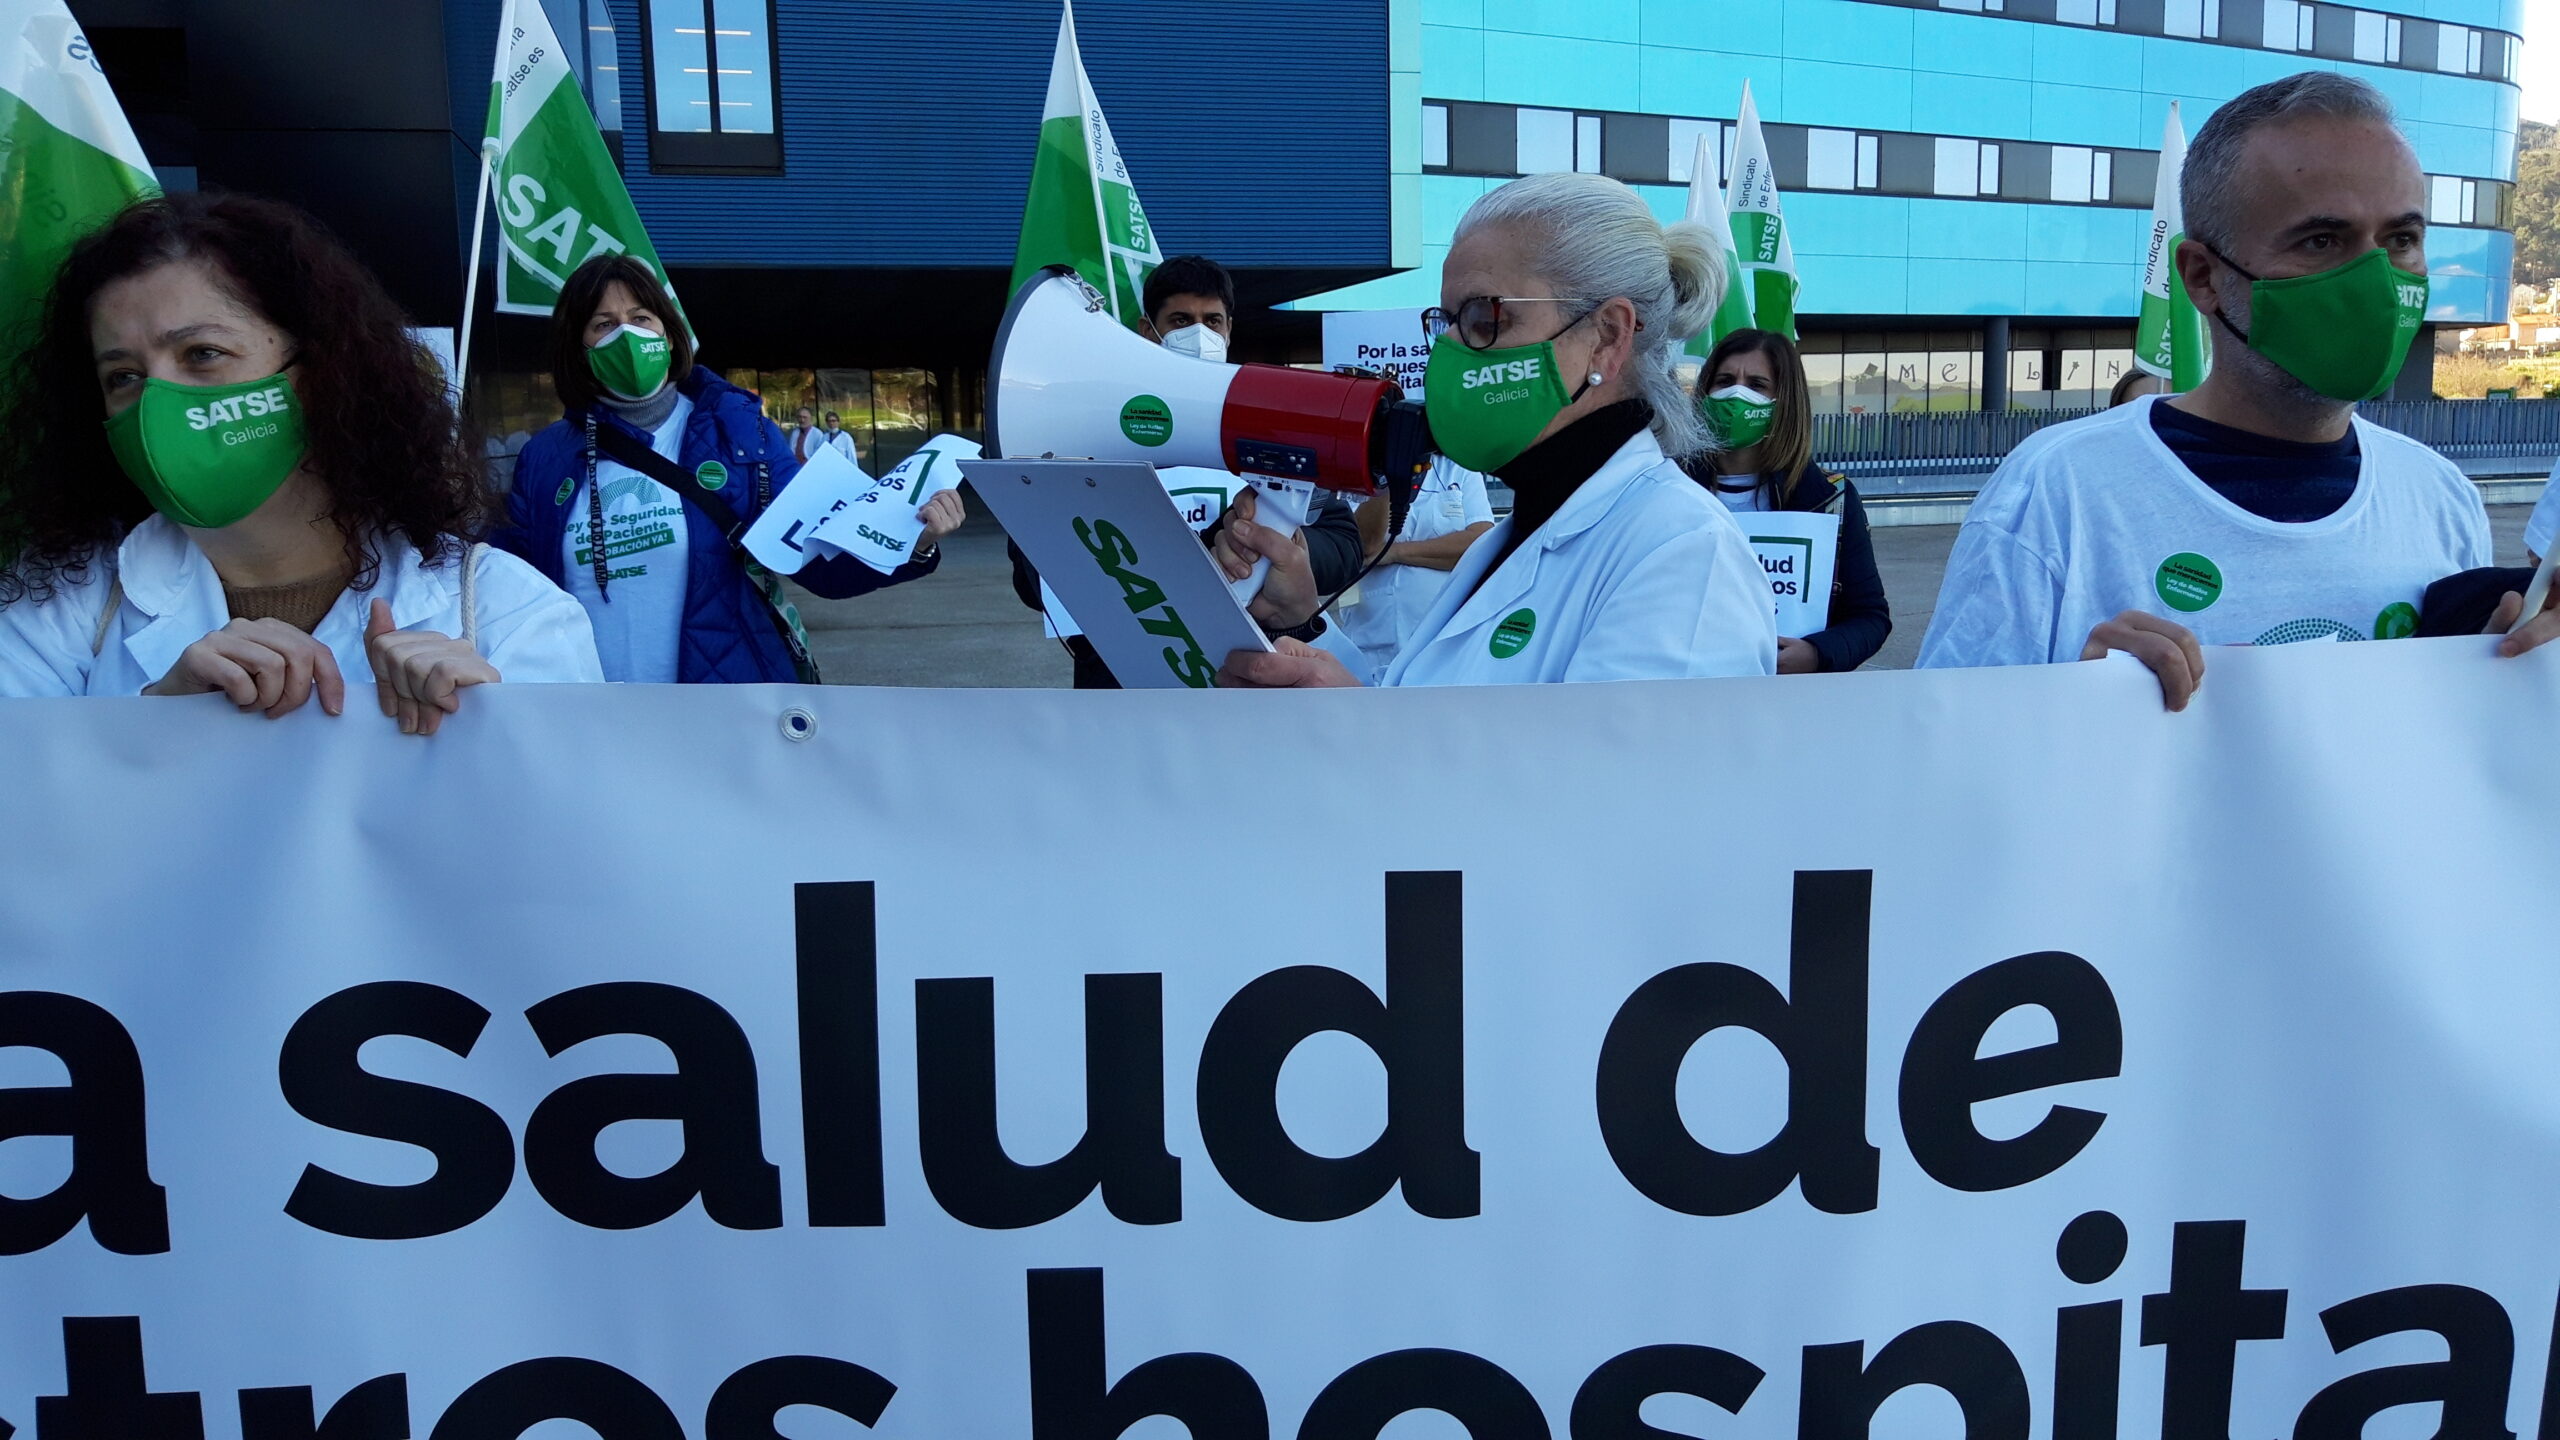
x=1114, y=547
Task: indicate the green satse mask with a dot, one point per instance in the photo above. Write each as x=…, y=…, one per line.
x=2343, y=332
x=631, y=363
x=1739, y=415
x=207, y=455
x=1486, y=406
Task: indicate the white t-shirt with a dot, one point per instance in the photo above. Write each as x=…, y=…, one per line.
x=1746, y=501
x=640, y=616
x=2540, y=526
x=2095, y=517
x=1377, y=614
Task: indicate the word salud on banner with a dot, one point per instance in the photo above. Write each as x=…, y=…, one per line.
x=2024, y=1105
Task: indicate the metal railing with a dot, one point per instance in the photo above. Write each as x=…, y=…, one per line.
x=1972, y=443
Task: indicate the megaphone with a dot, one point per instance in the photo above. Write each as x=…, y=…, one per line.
x=1068, y=380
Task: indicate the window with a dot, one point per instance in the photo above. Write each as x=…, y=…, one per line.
x=2391, y=42
x=2470, y=202
x=2369, y=45
x=2288, y=25
x=2085, y=12
x=2071, y=166
x=1831, y=159
x=2444, y=200
x=711, y=89
x=1685, y=135
x=2474, y=56
x=2183, y=17
x=1586, y=144
x=604, y=68
x=2102, y=177
x=1867, y=162
x=1959, y=170
x=1435, y=136
x=1545, y=140
x=2453, y=48
x=1990, y=170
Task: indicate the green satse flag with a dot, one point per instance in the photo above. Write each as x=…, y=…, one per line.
x=68, y=160
x=1759, y=231
x=1083, y=210
x=1706, y=207
x=2168, y=338
x=560, y=201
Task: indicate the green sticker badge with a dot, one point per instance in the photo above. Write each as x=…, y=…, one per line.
x=1146, y=420
x=1512, y=635
x=2398, y=621
x=710, y=474
x=2188, y=582
x=568, y=487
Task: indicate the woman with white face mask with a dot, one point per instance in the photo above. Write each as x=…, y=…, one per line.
x=1753, y=398
x=629, y=500
x=227, y=468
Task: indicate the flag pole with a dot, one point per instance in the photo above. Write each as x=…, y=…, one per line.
x=471, y=279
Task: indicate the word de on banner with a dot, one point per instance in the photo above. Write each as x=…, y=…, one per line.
x=1799, y=552
x=2077, y=1085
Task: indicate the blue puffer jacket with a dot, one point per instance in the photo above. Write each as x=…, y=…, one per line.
x=730, y=632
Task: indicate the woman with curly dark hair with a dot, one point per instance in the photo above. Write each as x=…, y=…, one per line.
x=225, y=363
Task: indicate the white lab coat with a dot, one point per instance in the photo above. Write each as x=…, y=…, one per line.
x=805, y=443
x=529, y=629
x=1641, y=575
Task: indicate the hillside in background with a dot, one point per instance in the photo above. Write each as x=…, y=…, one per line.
x=2537, y=204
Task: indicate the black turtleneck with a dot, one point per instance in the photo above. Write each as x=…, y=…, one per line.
x=1545, y=475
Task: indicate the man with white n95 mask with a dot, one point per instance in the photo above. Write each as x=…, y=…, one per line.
x=2256, y=509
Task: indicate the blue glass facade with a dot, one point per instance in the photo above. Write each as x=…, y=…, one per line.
x=2026, y=95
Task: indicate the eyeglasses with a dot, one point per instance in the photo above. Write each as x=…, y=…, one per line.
x=1478, y=320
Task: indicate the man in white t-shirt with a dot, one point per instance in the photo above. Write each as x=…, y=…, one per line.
x=2256, y=509
x=1449, y=511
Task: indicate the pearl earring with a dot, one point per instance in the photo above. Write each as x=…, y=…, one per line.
x=1597, y=377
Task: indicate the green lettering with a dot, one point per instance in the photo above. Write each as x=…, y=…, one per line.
x=1105, y=542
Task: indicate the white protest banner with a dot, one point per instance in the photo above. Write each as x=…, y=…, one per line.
x=1116, y=556
x=880, y=525
x=792, y=530
x=2138, y=1073
x=1387, y=341
x=1799, y=552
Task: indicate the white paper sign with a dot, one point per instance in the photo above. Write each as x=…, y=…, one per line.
x=881, y=525
x=2139, y=1074
x=1114, y=551
x=786, y=536
x=1798, y=552
x=1387, y=341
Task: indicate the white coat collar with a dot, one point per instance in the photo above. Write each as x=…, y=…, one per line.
x=1581, y=510
x=169, y=580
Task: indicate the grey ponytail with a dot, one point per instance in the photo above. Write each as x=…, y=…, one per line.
x=1600, y=241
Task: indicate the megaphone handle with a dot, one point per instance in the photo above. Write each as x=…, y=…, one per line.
x=1280, y=505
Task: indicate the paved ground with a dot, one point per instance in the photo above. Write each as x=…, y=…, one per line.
x=963, y=627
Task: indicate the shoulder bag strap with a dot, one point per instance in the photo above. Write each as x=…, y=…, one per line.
x=632, y=454
x=107, y=618
x=471, y=594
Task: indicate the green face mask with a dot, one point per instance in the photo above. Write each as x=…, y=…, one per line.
x=1739, y=415
x=1486, y=406
x=2343, y=332
x=207, y=455
x=631, y=363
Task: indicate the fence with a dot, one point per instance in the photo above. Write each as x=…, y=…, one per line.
x=1918, y=448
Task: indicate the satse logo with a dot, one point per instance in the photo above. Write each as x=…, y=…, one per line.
x=1503, y=372
x=270, y=401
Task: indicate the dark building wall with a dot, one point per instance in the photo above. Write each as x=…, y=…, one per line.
x=1256, y=131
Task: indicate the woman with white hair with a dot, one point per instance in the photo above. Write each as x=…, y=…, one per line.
x=1562, y=303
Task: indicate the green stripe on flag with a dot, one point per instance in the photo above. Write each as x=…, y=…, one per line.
x=54, y=188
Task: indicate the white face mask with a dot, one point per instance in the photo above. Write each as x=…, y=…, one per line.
x=1197, y=341
x=1739, y=392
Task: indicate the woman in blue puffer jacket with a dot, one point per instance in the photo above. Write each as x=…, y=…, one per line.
x=671, y=595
